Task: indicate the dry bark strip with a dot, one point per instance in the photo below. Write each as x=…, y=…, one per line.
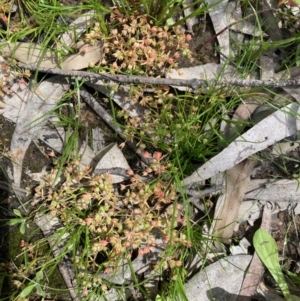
x=45, y=223
x=256, y=268
x=237, y=180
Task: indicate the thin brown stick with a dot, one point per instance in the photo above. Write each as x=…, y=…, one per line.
x=97, y=107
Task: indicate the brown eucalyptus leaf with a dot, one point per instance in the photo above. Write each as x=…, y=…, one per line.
x=31, y=54
x=87, y=55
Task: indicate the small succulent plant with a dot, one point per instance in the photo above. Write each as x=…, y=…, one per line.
x=136, y=46
x=117, y=219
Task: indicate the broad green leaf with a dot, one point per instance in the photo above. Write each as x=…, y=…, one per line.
x=39, y=276
x=295, y=2
x=14, y=221
x=298, y=55
x=39, y=290
x=27, y=290
x=22, y=228
x=266, y=248
x=17, y=212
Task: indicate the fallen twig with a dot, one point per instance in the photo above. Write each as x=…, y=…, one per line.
x=96, y=106
x=194, y=83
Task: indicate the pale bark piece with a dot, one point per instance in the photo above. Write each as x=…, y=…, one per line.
x=226, y=214
x=217, y=13
x=221, y=280
x=279, y=191
x=293, y=91
x=235, y=15
x=112, y=157
x=241, y=248
x=48, y=226
x=191, y=21
x=53, y=136
x=98, y=139
x=267, y=66
x=270, y=130
x=41, y=100
x=11, y=106
x=250, y=209
x=209, y=71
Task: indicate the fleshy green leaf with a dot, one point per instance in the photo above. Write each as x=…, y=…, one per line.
x=266, y=248
x=22, y=228
x=295, y=2
x=17, y=212
x=27, y=290
x=39, y=276
x=39, y=290
x=14, y=221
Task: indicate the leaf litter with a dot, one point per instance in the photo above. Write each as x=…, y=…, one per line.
x=241, y=197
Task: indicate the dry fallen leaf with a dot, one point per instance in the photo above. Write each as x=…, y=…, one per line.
x=40, y=101
x=33, y=54
x=87, y=55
